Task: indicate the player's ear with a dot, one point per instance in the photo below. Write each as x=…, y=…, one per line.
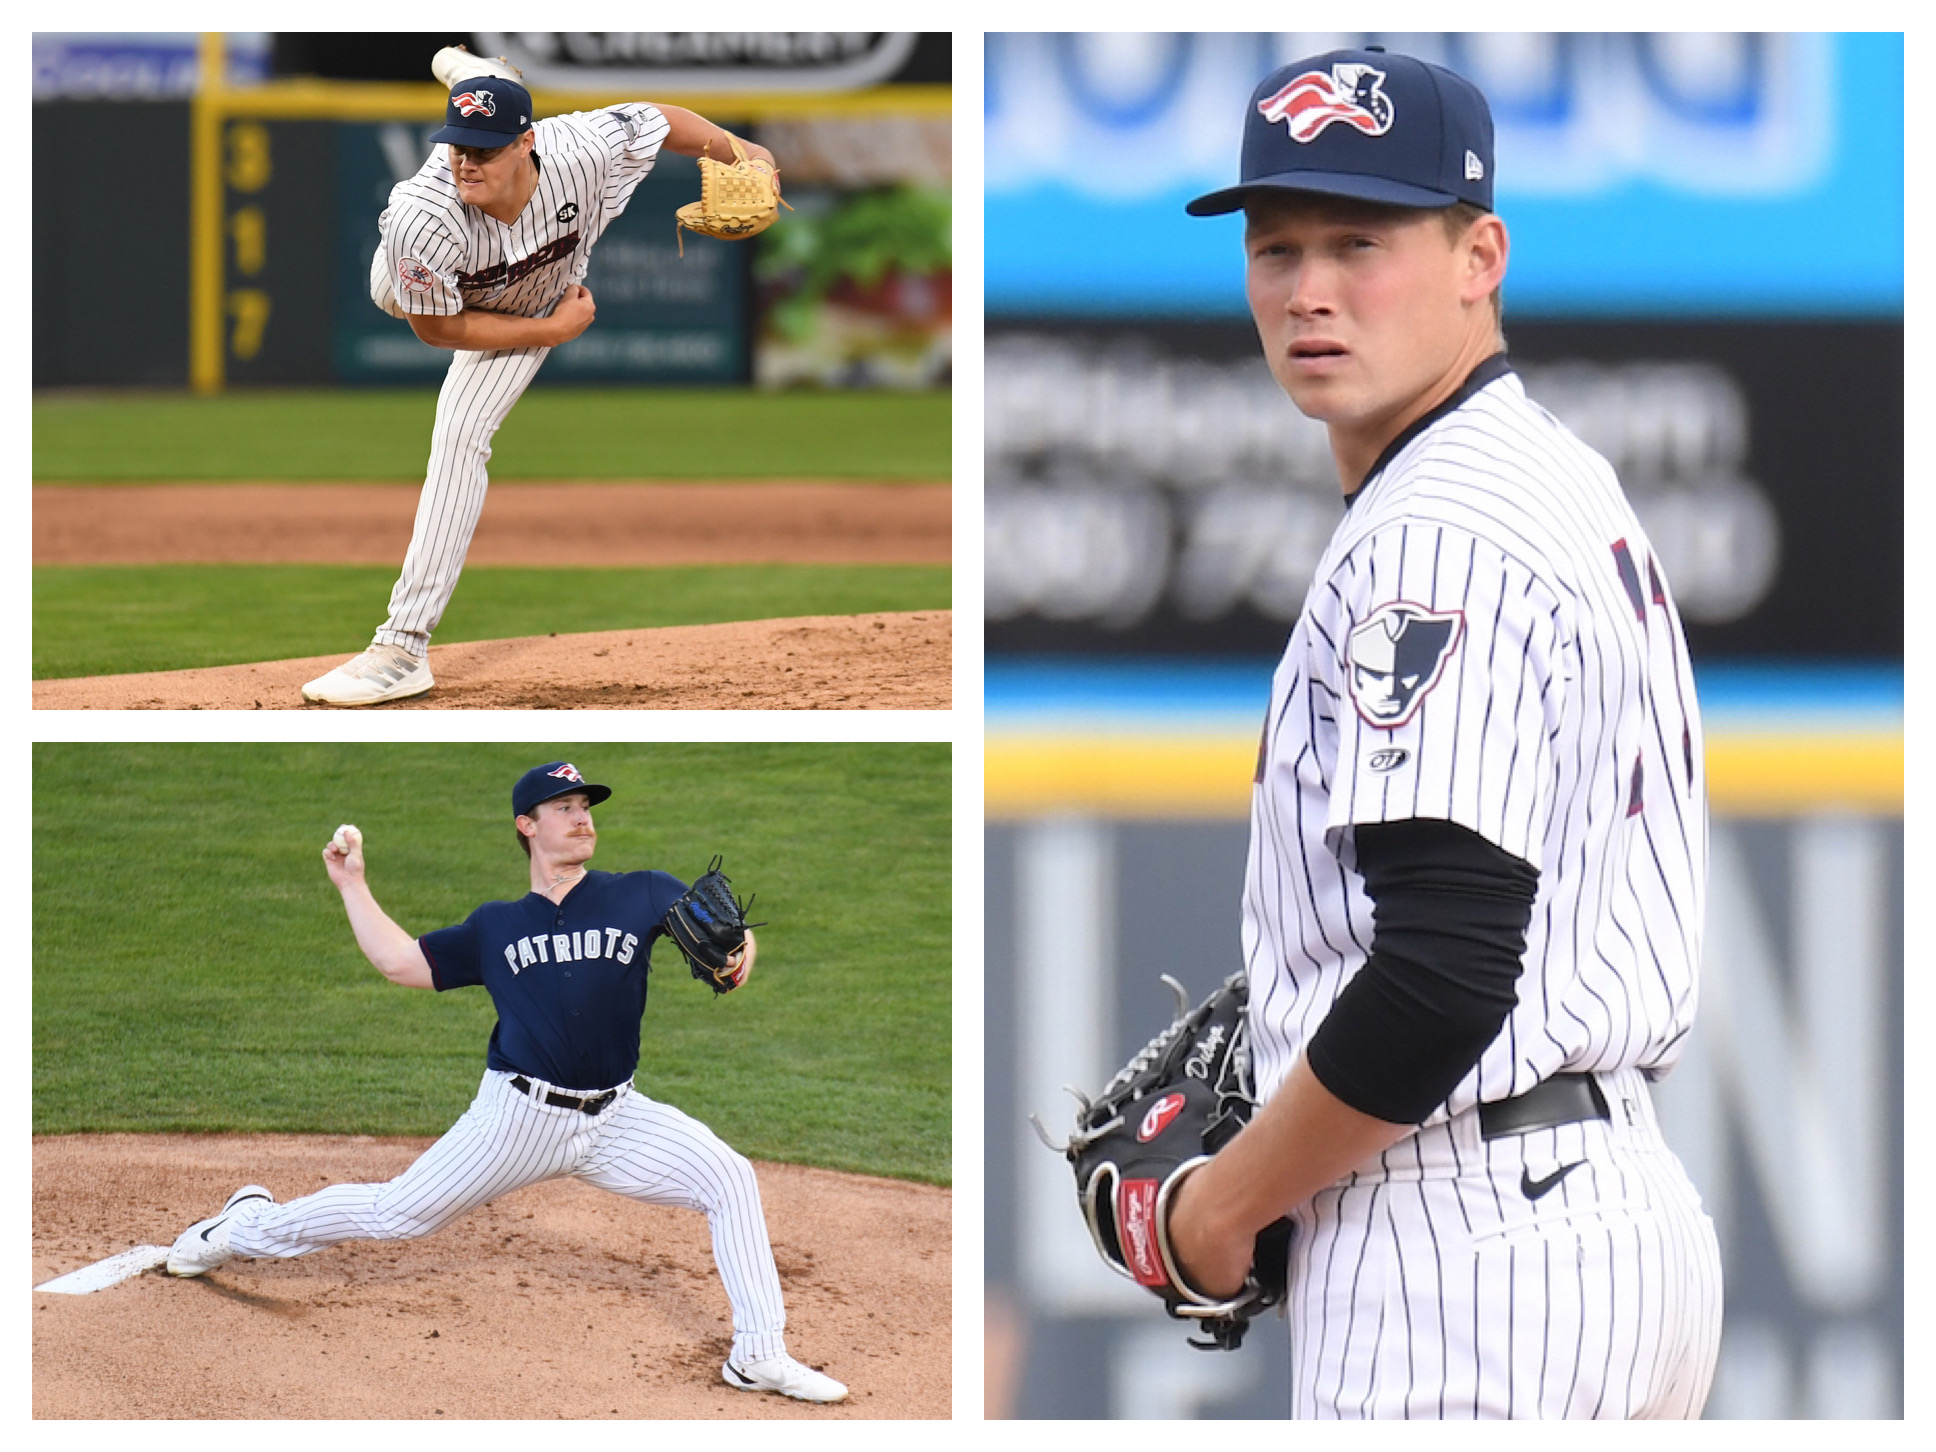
x=527, y=827
x=1484, y=250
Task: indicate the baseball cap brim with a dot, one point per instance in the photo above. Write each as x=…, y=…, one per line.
x=1325, y=183
x=591, y=789
x=466, y=136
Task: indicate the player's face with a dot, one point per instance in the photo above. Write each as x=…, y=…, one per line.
x=1363, y=310
x=564, y=828
x=485, y=177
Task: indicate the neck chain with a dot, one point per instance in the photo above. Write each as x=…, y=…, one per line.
x=563, y=878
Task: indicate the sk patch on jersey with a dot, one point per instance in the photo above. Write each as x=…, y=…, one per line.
x=1398, y=655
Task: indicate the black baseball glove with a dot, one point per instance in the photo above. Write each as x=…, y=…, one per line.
x=1175, y=1104
x=709, y=925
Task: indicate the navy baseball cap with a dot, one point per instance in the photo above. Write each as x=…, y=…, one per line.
x=487, y=111
x=1364, y=124
x=553, y=779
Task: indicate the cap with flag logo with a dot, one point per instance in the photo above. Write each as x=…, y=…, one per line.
x=486, y=111
x=553, y=779
x=1363, y=124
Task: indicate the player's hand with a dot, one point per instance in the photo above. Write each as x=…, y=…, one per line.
x=343, y=857
x=740, y=960
x=573, y=314
x=1214, y=1262
x=756, y=152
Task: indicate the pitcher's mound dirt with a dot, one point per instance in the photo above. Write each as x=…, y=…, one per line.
x=556, y=1301
x=898, y=661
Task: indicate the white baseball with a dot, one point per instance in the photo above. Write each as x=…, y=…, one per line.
x=347, y=839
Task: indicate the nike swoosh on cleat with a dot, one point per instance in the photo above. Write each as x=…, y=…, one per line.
x=1532, y=1189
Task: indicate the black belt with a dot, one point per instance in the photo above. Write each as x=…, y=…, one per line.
x=584, y=1104
x=1562, y=1099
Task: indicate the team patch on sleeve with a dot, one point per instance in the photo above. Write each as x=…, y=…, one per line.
x=1396, y=656
x=413, y=276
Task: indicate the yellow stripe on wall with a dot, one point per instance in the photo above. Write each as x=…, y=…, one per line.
x=1186, y=776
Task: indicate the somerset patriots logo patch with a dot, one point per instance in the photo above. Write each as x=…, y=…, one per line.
x=475, y=103
x=1398, y=655
x=1349, y=92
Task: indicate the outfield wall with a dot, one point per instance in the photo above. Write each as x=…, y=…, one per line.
x=239, y=252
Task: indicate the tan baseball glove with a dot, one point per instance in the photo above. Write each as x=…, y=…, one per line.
x=737, y=199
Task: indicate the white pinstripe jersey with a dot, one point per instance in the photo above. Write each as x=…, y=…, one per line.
x=1489, y=640
x=445, y=256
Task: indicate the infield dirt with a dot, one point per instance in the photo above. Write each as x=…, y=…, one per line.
x=555, y=1301
x=893, y=661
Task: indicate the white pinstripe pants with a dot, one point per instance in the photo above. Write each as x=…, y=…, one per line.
x=1437, y=1289
x=507, y=1140
x=479, y=390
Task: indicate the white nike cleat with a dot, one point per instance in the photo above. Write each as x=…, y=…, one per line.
x=786, y=1376
x=205, y=1244
x=381, y=673
x=455, y=63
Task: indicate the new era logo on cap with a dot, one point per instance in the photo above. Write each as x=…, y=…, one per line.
x=1475, y=169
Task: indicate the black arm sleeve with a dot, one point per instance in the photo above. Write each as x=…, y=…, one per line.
x=1450, y=911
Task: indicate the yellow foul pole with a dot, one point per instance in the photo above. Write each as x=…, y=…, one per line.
x=205, y=353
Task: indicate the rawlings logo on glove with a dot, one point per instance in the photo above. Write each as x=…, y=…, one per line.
x=737, y=199
x=709, y=925
x=1175, y=1104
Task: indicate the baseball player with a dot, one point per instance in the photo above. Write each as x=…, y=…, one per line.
x=484, y=252
x=1473, y=900
x=566, y=968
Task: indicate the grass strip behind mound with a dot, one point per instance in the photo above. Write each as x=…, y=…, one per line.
x=559, y=433
x=193, y=969
x=92, y=620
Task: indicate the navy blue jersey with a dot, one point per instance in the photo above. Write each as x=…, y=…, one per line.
x=568, y=979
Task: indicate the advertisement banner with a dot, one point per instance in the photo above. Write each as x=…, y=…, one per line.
x=1639, y=173
x=1150, y=490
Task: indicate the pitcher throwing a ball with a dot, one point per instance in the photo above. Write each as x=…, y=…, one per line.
x=565, y=966
x=484, y=252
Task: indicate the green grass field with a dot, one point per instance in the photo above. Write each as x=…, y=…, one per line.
x=553, y=433
x=109, y=619
x=193, y=969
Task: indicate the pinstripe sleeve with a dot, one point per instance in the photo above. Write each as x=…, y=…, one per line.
x=424, y=261
x=1448, y=663
x=632, y=134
